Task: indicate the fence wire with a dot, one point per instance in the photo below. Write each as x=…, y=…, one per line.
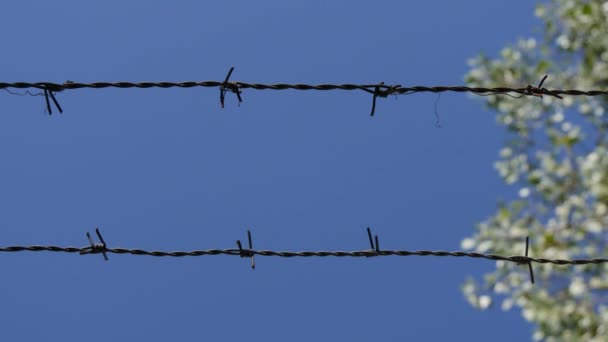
x=374, y=251
x=48, y=89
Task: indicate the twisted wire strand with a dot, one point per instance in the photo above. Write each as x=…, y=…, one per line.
x=290, y=254
x=381, y=88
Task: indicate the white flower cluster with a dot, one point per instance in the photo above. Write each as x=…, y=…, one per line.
x=557, y=158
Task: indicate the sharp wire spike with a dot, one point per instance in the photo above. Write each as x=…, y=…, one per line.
x=238, y=95
x=251, y=248
x=377, y=92
x=90, y=239
x=99, y=236
x=95, y=248
x=226, y=86
x=56, y=103
x=547, y=91
x=48, y=103
x=49, y=93
x=229, y=74
x=247, y=253
x=375, y=247
x=103, y=244
x=540, y=85
x=529, y=262
x=371, y=240
x=374, y=103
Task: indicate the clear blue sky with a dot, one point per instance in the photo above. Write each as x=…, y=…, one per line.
x=170, y=170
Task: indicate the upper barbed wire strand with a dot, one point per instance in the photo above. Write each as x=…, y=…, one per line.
x=369, y=88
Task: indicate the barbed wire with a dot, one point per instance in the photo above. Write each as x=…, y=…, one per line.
x=374, y=251
x=236, y=87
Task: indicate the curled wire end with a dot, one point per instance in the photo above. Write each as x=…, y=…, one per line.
x=437, y=117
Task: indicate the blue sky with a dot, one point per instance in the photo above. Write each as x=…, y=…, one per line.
x=171, y=170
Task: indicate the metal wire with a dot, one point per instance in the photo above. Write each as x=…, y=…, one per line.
x=377, y=90
x=290, y=254
x=374, y=251
x=369, y=88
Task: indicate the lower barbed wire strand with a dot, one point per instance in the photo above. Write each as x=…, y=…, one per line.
x=291, y=254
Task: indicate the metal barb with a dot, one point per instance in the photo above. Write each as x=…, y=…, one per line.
x=375, y=248
x=526, y=259
x=48, y=104
x=96, y=247
x=247, y=253
x=48, y=92
x=371, y=241
x=379, y=92
x=539, y=91
x=229, y=86
x=376, y=94
x=540, y=85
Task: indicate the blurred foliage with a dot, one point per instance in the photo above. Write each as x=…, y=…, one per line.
x=556, y=156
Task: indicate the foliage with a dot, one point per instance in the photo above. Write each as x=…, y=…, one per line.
x=557, y=158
